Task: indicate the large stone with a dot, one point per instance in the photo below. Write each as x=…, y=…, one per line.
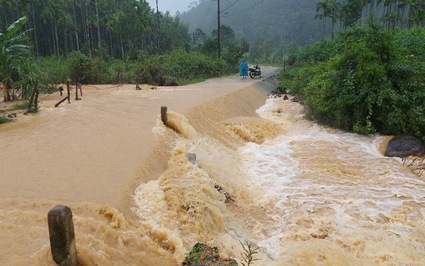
x=403, y=146
x=62, y=238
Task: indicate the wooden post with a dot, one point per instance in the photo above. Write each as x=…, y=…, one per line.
x=68, y=91
x=192, y=157
x=164, y=115
x=61, y=101
x=78, y=87
x=62, y=238
x=36, y=99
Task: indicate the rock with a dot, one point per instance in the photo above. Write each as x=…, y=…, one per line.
x=298, y=100
x=403, y=146
x=171, y=83
x=285, y=97
x=275, y=94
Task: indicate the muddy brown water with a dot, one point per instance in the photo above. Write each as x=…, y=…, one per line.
x=303, y=193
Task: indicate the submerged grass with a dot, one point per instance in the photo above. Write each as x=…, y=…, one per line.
x=4, y=120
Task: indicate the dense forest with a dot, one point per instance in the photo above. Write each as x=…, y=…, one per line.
x=271, y=27
x=120, y=28
x=267, y=25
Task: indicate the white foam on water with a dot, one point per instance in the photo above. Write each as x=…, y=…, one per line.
x=332, y=187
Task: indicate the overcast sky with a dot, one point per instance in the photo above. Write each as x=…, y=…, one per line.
x=171, y=5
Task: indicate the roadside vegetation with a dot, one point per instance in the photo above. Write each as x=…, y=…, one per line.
x=368, y=79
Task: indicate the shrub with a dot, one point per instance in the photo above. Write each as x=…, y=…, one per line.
x=4, y=120
x=367, y=80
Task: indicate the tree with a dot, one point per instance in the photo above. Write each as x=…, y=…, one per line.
x=13, y=52
x=330, y=9
x=351, y=12
x=198, y=36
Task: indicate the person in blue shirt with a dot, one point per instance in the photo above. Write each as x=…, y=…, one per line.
x=243, y=69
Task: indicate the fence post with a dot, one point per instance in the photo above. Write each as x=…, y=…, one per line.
x=191, y=157
x=68, y=90
x=164, y=115
x=78, y=87
x=62, y=238
x=37, y=91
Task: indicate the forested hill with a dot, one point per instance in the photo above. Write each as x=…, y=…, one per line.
x=277, y=22
x=120, y=29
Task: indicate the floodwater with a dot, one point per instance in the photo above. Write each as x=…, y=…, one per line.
x=302, y=193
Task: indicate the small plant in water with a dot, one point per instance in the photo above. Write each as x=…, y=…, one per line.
x=249, y=251
x=205, y=255
x=4, y=120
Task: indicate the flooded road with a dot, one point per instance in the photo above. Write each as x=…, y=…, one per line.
x=303, y=193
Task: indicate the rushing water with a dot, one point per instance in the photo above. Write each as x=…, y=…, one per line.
x=302, y=193
x=309, y=196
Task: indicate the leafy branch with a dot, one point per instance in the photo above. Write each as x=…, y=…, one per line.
x=249, y=251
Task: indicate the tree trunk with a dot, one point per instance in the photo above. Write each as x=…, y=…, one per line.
x=98, y=26
x=57, y=40
x=6, y=93
x=53, y=39
x=122, y=48
x=111, y=45
x=76, y=30
x=35, y=33
x=65, y=36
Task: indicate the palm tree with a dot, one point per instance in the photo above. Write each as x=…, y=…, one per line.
x=322, y=6
x=13, y=52
x=329, y=8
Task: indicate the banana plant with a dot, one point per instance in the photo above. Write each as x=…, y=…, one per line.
x=14, y=52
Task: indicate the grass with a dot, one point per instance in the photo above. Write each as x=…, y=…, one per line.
x=4, y=120
x=21, y=106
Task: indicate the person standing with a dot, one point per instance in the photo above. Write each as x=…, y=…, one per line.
x=243, y=69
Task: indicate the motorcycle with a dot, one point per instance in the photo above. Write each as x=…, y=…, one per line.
x=255, y=71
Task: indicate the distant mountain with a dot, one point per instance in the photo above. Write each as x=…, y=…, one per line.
x=280, y=21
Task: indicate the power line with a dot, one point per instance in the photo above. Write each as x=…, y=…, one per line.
x=229, y=6
x=256, y=4
x=221, y=11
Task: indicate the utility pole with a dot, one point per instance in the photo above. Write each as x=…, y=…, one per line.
x=218, y=29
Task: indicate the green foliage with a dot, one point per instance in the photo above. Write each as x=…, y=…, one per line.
x=17, y=70
x=232, y=49
x=354, y=84
x=116, y=27
x=78, y=66
x=4, y=120
x=249, y=252
x=368, y=79
x=54, y=70
x=268, y=26
x=178, y=66
x=202, y=254
x=84, y=69
x=21, y=106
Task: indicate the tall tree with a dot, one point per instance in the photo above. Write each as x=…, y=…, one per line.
x=328, y=9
